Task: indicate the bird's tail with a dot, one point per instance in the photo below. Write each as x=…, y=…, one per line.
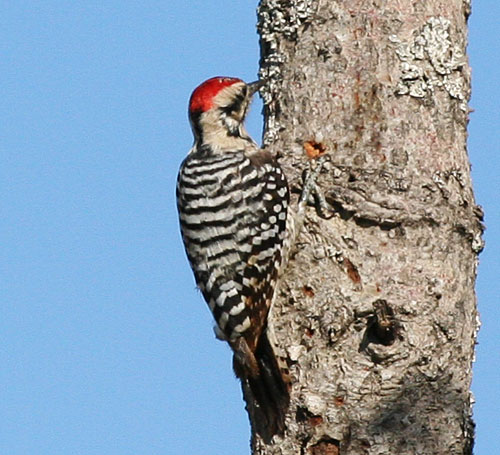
x=265, y=385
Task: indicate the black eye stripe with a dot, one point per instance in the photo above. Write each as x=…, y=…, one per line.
x=236, y=104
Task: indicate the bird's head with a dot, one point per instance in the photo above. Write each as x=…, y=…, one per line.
x=219, y=106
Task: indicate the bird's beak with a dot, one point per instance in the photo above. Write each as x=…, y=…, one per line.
x=254, y=87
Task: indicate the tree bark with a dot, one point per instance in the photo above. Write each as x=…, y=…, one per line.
x=376, y=312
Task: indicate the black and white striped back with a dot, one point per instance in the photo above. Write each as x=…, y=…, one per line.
x=233, y=211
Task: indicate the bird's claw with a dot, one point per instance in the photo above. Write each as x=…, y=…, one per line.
x=312, y=193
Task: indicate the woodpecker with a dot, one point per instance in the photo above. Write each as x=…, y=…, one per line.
x=233, y=204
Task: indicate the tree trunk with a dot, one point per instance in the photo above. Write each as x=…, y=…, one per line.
x=376, y=312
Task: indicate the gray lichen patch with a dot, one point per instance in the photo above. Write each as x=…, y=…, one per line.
x=430, y=61
x=275, y=29
x=273, y=19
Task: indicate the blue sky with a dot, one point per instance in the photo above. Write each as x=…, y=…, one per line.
x=105, y=345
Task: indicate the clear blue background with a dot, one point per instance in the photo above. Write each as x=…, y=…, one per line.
x=105, y=346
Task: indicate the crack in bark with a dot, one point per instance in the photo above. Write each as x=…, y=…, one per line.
x=351, y=201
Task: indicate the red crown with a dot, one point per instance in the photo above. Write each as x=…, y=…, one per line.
x=202, y=97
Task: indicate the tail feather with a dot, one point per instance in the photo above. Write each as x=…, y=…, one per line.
x=265, y=389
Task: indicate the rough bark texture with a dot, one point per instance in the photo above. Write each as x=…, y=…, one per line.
x=376, y=313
